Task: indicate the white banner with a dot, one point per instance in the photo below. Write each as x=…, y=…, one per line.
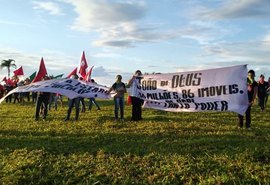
x=222, y=89
x=68, y=87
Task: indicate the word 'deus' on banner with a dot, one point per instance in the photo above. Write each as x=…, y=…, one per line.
x=222, y=89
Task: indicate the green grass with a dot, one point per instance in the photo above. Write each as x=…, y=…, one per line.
x=164, y=148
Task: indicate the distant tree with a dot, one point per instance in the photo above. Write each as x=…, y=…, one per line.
x=8, y=64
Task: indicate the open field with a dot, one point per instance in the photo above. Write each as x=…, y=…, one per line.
x=164, y=148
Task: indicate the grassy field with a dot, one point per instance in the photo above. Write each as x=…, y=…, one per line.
x=164, y=148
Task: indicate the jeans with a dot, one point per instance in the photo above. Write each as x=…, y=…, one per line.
x=119, y=103
x=71, y=103
x=91, y=102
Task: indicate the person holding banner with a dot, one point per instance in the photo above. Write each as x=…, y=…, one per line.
x=93, y=100
x=73, y=102
x=120, y=88
x=252, y=93
x=42, y=103
x=135, y=101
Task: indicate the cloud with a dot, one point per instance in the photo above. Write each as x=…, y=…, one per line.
x=50, y=7
x=56, y=63
x=11, y=23
x=234, y=10
x=130, y=34
x=266, y=42
x=115, y=43
x=119, y=25
x=101, y=14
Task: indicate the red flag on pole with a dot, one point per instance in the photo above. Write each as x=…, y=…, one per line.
x=18, y=71
x=88, y=75
x=41, y=72
x=83, y=66
x=74, y=72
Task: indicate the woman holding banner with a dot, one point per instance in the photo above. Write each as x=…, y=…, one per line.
x=252, y=93
x=135, y=101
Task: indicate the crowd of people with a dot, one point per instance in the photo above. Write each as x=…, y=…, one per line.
x=44, y=100
x=257, y=90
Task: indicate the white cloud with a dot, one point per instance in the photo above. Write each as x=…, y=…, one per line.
x=102, y=14
x=56, y=63
x=50, y=7
x=266, y=42
x=237, y=9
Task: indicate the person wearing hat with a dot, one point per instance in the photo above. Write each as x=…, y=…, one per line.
x=252, y=93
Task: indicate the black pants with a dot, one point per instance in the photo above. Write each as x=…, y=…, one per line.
x=42, y=101
x=136, y=108
x=9, y=98
x=261, y=100
x=71, y=103
x=248, y=118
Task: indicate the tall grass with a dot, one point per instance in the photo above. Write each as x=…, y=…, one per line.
x=164, y=148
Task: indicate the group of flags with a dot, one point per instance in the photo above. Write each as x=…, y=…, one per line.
x=42, y=71
x=82, y=70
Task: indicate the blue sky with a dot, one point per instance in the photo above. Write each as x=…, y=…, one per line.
x=121, y=36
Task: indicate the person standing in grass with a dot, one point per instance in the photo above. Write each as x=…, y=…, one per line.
x=93, y=100
x=267, y=92
x=73, y=102
x=252, y=93
x=42, y=103
x=262, y=88
x=135, y=101
x=120, y=89
x=2, y=90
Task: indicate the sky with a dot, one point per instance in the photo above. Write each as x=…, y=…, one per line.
x=122, y=36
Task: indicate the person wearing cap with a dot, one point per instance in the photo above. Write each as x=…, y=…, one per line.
x=135, y=101
x=262, y=88
x=73, y=102
x=252, y=87
x=120, y=89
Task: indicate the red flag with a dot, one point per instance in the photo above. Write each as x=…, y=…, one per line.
x=88, y=75
x=10, y=82
x=41, y=72
x=5, y=79
x=18, y=71
x=83, y=66
x=74, y=72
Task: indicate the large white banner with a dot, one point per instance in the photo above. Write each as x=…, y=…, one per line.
x=222, y=89
x=68, y=87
